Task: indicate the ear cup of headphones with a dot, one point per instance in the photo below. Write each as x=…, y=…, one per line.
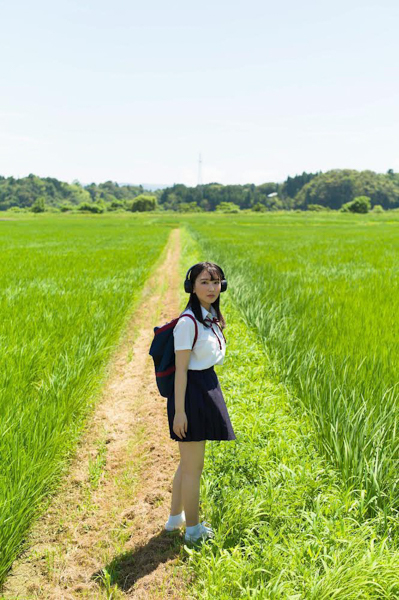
x=188, y=286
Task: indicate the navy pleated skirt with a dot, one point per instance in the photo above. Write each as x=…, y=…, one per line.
x=205, y=407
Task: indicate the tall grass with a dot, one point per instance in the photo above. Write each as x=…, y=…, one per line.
x=323, y=292
x=67, y=286
x=285, y=527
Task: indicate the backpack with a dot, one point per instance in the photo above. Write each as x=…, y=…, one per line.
x=162, y=351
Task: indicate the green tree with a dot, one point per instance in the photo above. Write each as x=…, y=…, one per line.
x=93, y=207
x=66, y=206
x=116, y=205
x=317, y=207
x=39, y=205
x=340, y=186
x=189, y=207
x=258, y=207
x=360, y=204
x=228, y=207
x=292, y=185
x=144, y=203
x=76, y=194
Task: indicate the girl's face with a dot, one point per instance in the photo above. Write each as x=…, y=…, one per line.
x=207, y=288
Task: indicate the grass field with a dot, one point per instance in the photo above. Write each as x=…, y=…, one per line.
x=323, y=294
x=67, y=286
x=305, y=502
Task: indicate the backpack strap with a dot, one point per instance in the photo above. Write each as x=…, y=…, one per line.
x=196, y=326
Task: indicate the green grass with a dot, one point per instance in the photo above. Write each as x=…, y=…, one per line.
x=286, y=524
x=68, y=286
x=304, y=502
x=323, y=294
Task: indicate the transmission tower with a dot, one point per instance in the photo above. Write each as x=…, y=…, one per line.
x=200, y=177
x=200, y=170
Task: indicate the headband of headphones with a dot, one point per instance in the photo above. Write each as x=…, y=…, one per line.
x=188, y=286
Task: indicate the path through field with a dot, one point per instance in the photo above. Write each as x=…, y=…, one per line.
x=110, y=511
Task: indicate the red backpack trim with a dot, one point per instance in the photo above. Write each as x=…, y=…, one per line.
x=173, y=324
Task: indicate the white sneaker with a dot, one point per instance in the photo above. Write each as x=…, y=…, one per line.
x=204, y=531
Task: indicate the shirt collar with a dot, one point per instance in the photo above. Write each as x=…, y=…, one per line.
x=210, y=314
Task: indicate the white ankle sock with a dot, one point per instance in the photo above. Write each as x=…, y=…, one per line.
x=192, y=529
x=176, y=519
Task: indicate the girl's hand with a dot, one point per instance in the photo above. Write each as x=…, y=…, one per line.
x=180, y=424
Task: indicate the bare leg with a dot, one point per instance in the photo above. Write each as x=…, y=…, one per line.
x=192, y=463
x=177, y=499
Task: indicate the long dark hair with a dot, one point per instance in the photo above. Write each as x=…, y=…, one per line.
x=193, y=302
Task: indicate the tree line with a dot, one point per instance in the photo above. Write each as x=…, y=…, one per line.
x=337, y=189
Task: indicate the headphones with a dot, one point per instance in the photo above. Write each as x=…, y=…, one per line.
x=188, y=286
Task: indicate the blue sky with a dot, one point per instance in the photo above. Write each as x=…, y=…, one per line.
x=134, y=92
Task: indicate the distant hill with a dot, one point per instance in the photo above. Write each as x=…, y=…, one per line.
x=309, y=191
x=151, y=186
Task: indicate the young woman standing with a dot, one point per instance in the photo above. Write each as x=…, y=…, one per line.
x=196, y=410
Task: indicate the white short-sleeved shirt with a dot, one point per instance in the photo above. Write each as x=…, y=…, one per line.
x=210, y=347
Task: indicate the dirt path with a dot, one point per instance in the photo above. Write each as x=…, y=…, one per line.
x=107, y=519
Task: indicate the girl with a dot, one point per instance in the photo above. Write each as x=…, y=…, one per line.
x=196, y=410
